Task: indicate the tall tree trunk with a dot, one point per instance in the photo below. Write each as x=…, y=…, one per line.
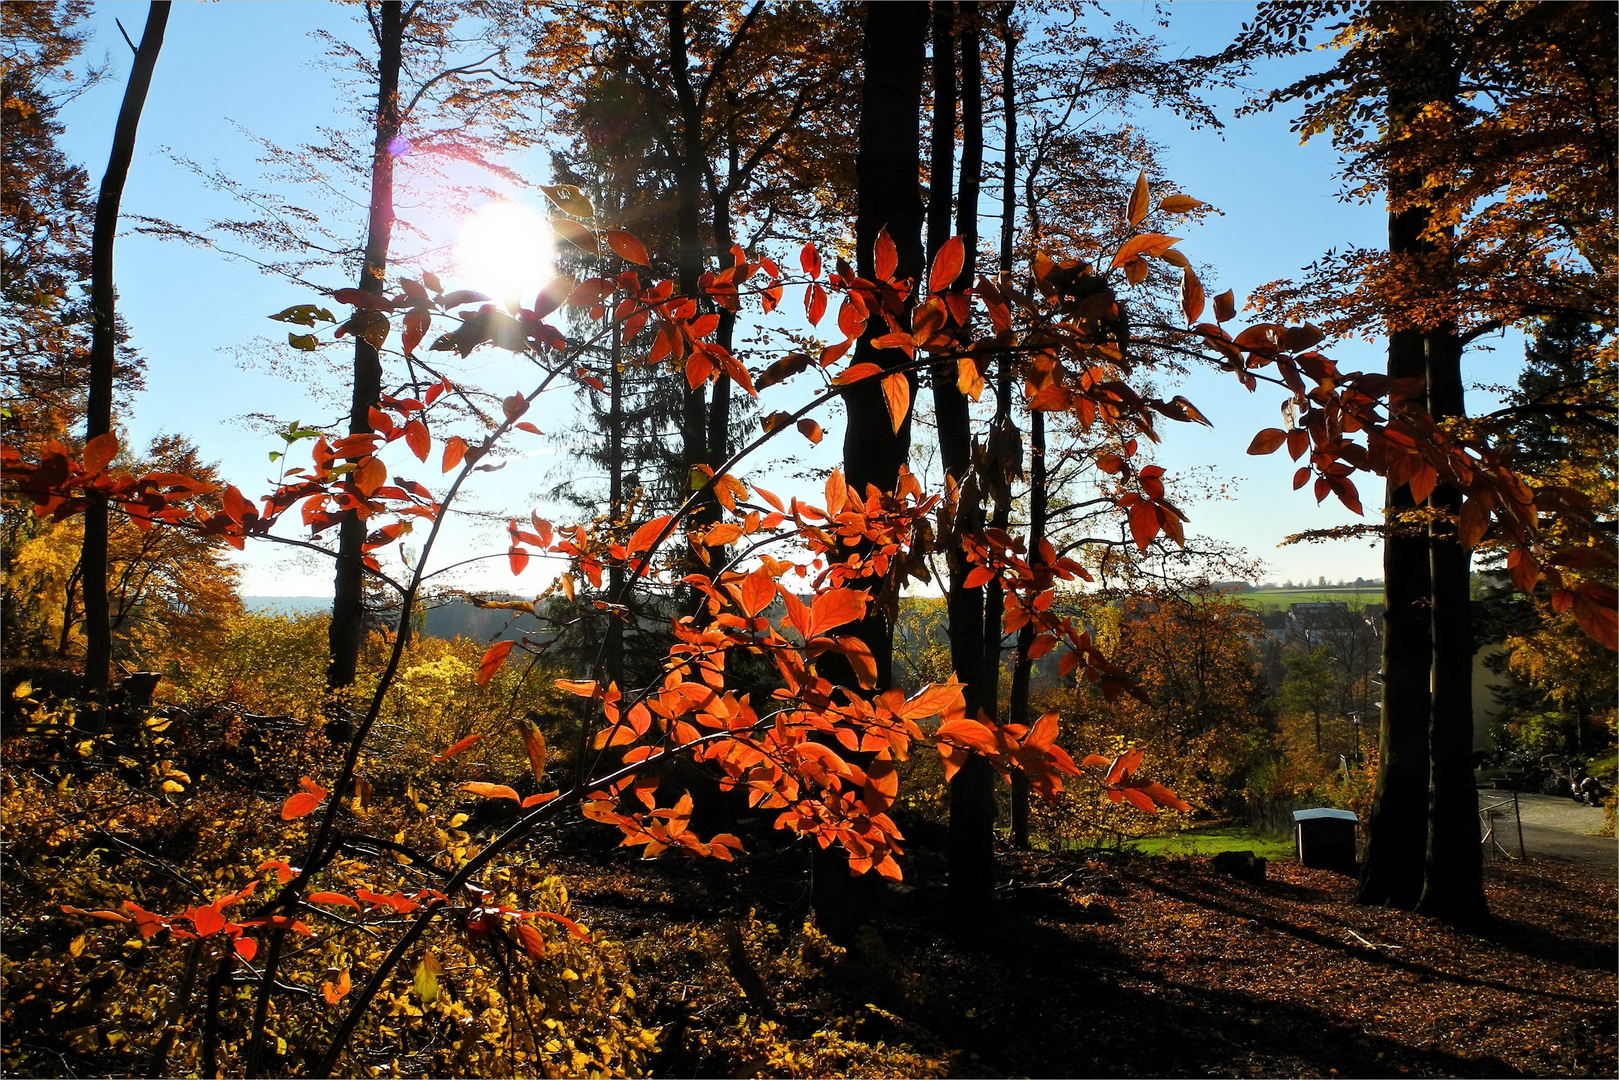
x=972, y=790
x=348, y=603
x=1017, y=705
x=1453, y=880
x=1395, y=845
x=689, y=185
x=887, y=167
x=104, y=349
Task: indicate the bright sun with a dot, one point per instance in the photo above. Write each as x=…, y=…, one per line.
x=505, y=250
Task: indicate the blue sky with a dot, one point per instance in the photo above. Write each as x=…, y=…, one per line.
x=199, y=318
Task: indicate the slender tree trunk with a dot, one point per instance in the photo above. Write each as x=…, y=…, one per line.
x=348, y=603
x=688, y=230
x=1017, y=706
x=972, y=790
x=887, y=167
x=104, y=349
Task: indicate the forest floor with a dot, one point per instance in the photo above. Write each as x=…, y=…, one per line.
x=1116, y=966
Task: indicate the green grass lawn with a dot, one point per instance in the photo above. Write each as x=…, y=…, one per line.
x=1214, y=839
x=1279, y=599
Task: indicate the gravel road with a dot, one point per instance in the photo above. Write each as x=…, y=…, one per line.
x=1555, y=828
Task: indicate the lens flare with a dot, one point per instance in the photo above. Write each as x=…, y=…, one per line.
x=505, y=250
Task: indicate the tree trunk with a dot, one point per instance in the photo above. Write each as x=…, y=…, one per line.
x=104, y=350
x=348, y=603
x=1395, y=845
x=689, y=171
x=1453, y=880
x=887, y=167
x=972, y=790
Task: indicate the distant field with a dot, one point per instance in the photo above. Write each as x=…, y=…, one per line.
x=1279, y=599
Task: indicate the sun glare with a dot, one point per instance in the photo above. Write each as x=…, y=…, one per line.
x=504, y=250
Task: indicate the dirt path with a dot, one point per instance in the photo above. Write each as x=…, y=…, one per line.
x=1555, y=828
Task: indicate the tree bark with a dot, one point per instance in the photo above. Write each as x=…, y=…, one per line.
x=972, y=790
x=348, y=602
x=688, y=230
x=1453, y=878
x=887, y=167
x=104, y=349
x=1395, y=847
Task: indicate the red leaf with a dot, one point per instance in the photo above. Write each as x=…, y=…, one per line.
x=301, y=803
x=627, y=247
x=978, y=575
x=1143, y=524
x=99, y=452
x=810, y=260
x=947, y=265
x=417, y=439
x=648, y=533
x=1267, y=441
x=455, y=448
x=886, y=256
x=245, y=947
x=207, y=920
x=334, y=898
x=492, y=659
x=814, y=302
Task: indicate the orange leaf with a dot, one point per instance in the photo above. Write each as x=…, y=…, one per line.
x=532, y=940
x=1179, y=204
x=897, y=392
x=947, y=265
x=886, y=256
x=860, y=658
x=337, y=991
x=491, y=791
x=1044, y=732
x=856, y=372
x=1136, y=210
x=492, y=659
x=646, y=534
x=455, y=448
x=333, y=898
x=978, y=575
x=627, y=247
x=371, y=475
x=99, y=452
x=1191, y=296
x=1267, y=441
x=458, y=746
x=582, y=687
x=301, y=803
x=810, y=430
x=1147, y=244
x=835, y=608
x=758, y=590
x=533, y=746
